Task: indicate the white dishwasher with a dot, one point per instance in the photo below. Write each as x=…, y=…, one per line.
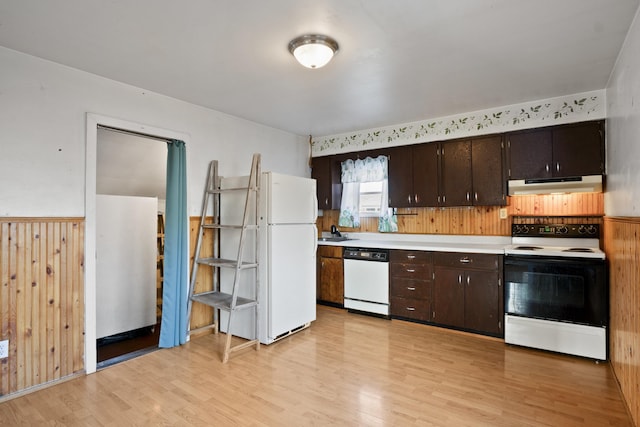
x=366, y=280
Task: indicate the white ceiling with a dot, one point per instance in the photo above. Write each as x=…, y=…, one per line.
x=399, y=60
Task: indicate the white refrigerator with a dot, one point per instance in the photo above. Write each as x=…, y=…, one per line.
x=289, y=238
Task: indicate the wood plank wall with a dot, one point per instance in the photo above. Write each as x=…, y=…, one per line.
x=41, y=300
x=201, y=315
x=482, y=220
x=622, y=246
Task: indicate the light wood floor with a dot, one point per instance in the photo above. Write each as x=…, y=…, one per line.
x=346, y=369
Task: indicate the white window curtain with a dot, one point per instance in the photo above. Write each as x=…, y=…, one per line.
x=359, y=171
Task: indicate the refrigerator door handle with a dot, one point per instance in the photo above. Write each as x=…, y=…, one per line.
x=315, y=239
x=315, y=206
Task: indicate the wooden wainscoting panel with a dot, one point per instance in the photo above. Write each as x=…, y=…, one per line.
x=622, y=246
x=201, y=315
x=41, y=300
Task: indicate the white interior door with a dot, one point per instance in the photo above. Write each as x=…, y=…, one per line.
x=126, y=237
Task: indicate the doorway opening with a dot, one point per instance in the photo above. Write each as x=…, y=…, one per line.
x=150, y=134
x=130, y=197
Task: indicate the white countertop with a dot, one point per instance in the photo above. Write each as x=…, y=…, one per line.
x=425, y=242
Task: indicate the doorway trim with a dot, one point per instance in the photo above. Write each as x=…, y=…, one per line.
x=93, y=121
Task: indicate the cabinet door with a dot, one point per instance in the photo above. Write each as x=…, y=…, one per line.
x=448, y=297
x=529, y=154
x=455, y=176
x=425, y=174
x=331, y=280
x=578, y=150
x=400, y=177
x=487, y=171
x=482, y=302
x=321, y=172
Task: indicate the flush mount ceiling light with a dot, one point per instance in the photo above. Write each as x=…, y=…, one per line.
x=313, y=50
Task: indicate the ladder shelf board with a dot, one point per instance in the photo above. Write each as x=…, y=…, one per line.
x=222, y=300
x=228, y=263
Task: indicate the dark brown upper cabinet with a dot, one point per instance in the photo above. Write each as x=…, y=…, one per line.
x=472, y=172
x=413, y=175
x=557, y=152
x=487, y=162
x=326, y=172
x=456, y=183
x=452, y=173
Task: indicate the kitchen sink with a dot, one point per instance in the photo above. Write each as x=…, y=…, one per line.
x=334, y=239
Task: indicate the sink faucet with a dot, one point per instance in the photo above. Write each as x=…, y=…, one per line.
x=335, y=231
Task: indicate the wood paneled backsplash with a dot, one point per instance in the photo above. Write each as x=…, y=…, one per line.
x=622, y=246
x=41, y=300
x=482, y=220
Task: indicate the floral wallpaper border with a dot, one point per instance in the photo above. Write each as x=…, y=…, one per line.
x=566, y=109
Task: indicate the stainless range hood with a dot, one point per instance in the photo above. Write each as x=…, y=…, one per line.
x=577, y=184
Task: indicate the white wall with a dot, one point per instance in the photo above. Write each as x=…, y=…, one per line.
x=43, y=109
x=623, y=129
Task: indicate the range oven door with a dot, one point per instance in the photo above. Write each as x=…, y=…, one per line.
x=571, y=290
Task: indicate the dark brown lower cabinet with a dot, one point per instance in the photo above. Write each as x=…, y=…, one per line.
x=448, y=302
x=330, y=275
x=468, y=292
x=411, y=284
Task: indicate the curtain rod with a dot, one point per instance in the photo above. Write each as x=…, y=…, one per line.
x=134, y=133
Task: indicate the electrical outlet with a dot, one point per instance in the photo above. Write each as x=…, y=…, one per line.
x=503, y=213
x=4, y=349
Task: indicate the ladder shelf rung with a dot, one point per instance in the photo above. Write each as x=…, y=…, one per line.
x=230, y=190
x=229, y=227
x=223, y=300
x=228, y=263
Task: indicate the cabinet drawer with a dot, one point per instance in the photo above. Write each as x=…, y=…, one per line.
x=413, y=309
x=407, y=288
x=411, y=257
x=467, y=260
x=411, y=271
x=330, y=251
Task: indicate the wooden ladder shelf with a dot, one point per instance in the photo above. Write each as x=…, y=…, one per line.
x=228, y=301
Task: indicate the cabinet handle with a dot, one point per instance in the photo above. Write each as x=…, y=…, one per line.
x=546, y=167
x=557, y=166
x=415, y=198
x=467, y=196
x=411, y=270
x=476, y=196
x=468, y=280
x=411, y=309
x=465, y=260
x=326, y=201
x=438, y=199
x=460, y=279
x=409, y=198
x=411, y=288
x=411, y=256
x=444, y=199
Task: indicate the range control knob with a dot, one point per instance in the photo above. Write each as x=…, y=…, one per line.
x=525, y=229
x=582, y=229
x=516, y=228
x=591, y=229
x=562, y=229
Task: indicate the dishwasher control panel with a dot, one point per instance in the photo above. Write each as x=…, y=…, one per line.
x=380, y=255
